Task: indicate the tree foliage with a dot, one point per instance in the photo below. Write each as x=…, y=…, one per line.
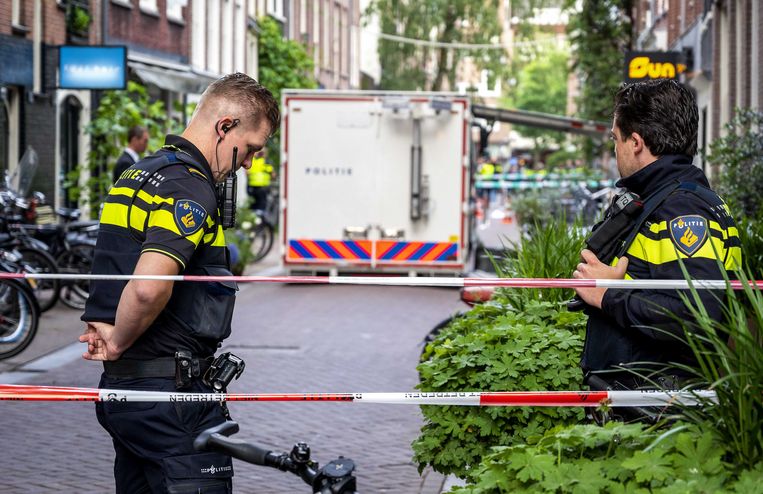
x=117, y=112
x=600, y=32
x=542, y=87
x=405, y=66
x=283, y=64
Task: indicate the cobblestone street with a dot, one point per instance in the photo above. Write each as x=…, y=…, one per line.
x=294, y=339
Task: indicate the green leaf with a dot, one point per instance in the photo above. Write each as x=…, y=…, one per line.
x=649, y=466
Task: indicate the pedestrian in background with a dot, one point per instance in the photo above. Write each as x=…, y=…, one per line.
x=165, y=219
x=137, y=141
x=259, y=178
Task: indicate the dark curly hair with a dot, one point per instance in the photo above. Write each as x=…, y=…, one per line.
x=663, y=112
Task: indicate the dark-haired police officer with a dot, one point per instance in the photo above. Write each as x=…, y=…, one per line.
x=163, y=217
x=655, y=136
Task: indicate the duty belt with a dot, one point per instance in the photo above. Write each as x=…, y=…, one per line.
x=158, y=367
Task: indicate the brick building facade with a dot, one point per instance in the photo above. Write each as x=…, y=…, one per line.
x=30, y=109
x=724, y=42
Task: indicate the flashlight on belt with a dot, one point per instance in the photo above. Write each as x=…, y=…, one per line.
x=223, y=370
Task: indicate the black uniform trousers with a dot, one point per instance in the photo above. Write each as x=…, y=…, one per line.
x=154, y=441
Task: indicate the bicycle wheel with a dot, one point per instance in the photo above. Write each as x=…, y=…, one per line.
x=47, y=292
x=77, y=260
x=19, y=317
x=261, y=241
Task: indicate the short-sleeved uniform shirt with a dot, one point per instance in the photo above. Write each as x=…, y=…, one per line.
x=169, y=209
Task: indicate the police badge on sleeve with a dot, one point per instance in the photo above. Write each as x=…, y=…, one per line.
x=189, y=216
x=688, y=233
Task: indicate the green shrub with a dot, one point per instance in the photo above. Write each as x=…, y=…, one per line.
x=718, y=447
x=616, y=458
x=245, y=222
x=740, y=153
x=493, y=348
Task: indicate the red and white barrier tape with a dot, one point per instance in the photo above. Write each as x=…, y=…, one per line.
x=10, y=392
x=410, y=281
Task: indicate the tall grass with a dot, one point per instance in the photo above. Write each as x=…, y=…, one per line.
x=729, y=353
x=552, y=251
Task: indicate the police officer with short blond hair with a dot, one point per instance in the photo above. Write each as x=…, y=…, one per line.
x=164, y=217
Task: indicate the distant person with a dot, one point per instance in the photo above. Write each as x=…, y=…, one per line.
x=137, y=141
x=258, y=180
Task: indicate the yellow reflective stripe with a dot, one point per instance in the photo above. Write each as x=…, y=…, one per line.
x=116, y=214
x=219, y=238
x=210, y=222
x=733, y=259
x=194, y=170
x=658, y=227
x=155, y=199
x=169, y=254
x=208, y=238
x=164, y=219
x=664, y=250
x=122, y=191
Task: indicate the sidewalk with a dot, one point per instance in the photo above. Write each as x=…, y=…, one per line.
x=294, y=338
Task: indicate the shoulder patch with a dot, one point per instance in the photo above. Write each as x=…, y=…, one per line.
x=688, y=233
x=189, y=216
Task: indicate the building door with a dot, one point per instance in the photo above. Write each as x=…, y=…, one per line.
x=71, y=110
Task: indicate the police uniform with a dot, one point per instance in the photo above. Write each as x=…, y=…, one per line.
x=258, y=181
x=692, y=223
x=165, y=203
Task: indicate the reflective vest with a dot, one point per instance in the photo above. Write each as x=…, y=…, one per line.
x=259, y=174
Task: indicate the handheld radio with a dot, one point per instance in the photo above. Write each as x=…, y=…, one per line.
x=226, y=195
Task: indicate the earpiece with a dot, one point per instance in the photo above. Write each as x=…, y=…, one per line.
x=227, y=128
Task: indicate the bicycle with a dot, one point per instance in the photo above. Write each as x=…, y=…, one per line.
x=334, y=478
x=19, y=317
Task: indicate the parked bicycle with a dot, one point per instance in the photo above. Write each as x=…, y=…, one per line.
x=19, y=310
x=70, y=243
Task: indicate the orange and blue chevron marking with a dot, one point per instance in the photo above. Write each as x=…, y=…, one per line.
x=353, y=250
x=389, y=250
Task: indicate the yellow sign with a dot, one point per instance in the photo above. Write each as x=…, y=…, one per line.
x=640, y=66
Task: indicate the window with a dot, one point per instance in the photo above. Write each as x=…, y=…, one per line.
x=17, y=13
x=175, y=9
x=149, y=7
x=275, y=8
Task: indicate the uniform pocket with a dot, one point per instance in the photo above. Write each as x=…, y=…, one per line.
x=205, y=309
x=204, y=472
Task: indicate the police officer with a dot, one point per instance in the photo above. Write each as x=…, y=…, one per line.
x=655, y=136
x=163, y=217
x=258, y=178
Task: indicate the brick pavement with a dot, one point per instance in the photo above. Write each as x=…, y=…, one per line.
x=293, y=338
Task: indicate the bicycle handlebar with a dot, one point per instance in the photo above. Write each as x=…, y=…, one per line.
x=335, y=478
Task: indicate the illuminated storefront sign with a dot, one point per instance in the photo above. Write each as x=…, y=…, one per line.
x=92, y=67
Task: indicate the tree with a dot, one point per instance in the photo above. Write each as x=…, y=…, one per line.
x=542, y=87
x=283, y=64
x=407, y=66
x=600, y=32
x=117, y=112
